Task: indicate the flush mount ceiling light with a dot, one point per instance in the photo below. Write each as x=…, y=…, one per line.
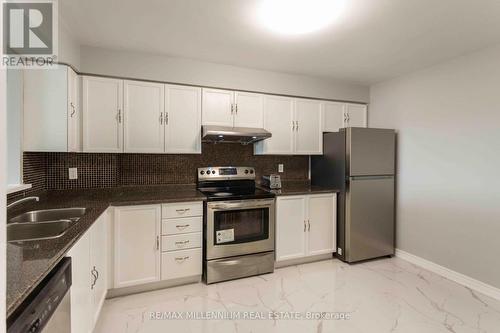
x=295, y=17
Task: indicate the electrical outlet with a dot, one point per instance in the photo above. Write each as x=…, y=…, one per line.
x=73, y=173
x=280, y=167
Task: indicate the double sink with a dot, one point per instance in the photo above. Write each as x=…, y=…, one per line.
x=42, y=224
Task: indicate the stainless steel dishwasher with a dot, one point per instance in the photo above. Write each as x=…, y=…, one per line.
x=48, y=308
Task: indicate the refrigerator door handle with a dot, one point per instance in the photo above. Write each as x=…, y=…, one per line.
x=370, y=177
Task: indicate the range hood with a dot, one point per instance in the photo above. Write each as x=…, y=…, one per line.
x=226, y=134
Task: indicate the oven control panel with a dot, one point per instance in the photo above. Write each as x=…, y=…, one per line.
x=226, y=173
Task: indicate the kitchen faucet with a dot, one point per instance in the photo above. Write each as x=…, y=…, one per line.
x=20, y=201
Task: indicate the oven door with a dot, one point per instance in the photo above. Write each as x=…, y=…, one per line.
x=239, y=227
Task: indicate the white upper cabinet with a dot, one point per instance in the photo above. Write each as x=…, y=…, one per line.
x=74, y=112
x=308, y=137
x=102, y=100
x=333, y=116
x=218, y=107
x=278, y=119
x=182, y=119
x=46, y=109
x=356, y=115
x=248, y=109
x=143, y=105
x=337, y=115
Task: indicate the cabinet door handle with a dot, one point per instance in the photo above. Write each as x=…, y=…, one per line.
x=73, y=110
x=119, y=115
x=308, y=225
x=293, y=125
x=182, y=226
x=236, y=109
x=297, y=127
x=181, y=259
x=166, y=118
x=232, y=108
x=94, y=276
x=157, y=242
x=182, y=211
x=304, y=225
x=161, y=118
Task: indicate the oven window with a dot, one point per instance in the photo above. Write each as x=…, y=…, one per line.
x=241, y=226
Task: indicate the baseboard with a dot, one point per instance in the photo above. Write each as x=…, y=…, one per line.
x=125, y=291
x=452, y=275
x=304, y=260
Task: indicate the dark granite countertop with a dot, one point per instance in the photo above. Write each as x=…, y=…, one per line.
x=29, y=262
x=300, y=187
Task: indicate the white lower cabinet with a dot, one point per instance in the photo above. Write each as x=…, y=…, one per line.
x=136, y=248
x=89, y=270
x=305, y=225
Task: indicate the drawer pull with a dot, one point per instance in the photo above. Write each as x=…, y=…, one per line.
x=182, y=211
x=182, y=226
x=182, y=243
x=181, y=259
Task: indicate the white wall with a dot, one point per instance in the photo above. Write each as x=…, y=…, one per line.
x=3, y=196
x=179, y=70
x=69, y=48
x=448, y=120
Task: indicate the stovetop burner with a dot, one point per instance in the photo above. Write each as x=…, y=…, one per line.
x=229, y=183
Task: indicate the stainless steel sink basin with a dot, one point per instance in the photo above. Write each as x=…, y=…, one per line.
x=72, y=214
x=37, y=231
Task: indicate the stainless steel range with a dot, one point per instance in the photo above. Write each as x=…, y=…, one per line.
x=238, y=226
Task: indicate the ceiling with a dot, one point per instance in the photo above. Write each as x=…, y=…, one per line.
x=372, y=40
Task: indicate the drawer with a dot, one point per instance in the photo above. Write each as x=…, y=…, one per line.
x=178, y=264
x=181, y=226
x=180, y=242
x=181, y=209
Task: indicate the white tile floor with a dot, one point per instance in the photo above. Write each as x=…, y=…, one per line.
x=388, y=295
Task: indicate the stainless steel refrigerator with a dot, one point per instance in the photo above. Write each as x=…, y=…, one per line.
x=361, y=163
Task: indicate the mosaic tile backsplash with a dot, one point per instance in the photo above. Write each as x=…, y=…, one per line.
x=50, y=170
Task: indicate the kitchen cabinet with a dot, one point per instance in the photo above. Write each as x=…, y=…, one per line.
x=308, y=135
x=143, y=117
x=232, y=108
x=51, y=114
x=102, y=126
x=217, y=107
x=338, y=115
x=305, y=225
x=278, y=119
x=89, y=281
x=295, y=125
x=136, y=245
x=182, y=119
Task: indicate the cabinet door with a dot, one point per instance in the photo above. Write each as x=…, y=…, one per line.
x=278, y=119
x=308, y=134
x=143, y=122
x=217, y=107
x=81, y=295
x=98, y=264
x=334, y=116
x=321, y=224
x=183, y=120
x=102, y=100
x=46, y=110
x=136, y=250
x=74, y=112
x=249, y=109
x=290, y=227
x=356, y=114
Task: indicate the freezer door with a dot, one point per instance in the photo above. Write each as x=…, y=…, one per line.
x=370, y=151
x=369, y=222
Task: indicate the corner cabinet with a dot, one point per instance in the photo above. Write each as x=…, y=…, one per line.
x=305, y=225
x=102, y=101
x=295, y=125
x=51, y=110
x=338, y=115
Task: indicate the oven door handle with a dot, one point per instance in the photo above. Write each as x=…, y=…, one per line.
x=239, y=206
